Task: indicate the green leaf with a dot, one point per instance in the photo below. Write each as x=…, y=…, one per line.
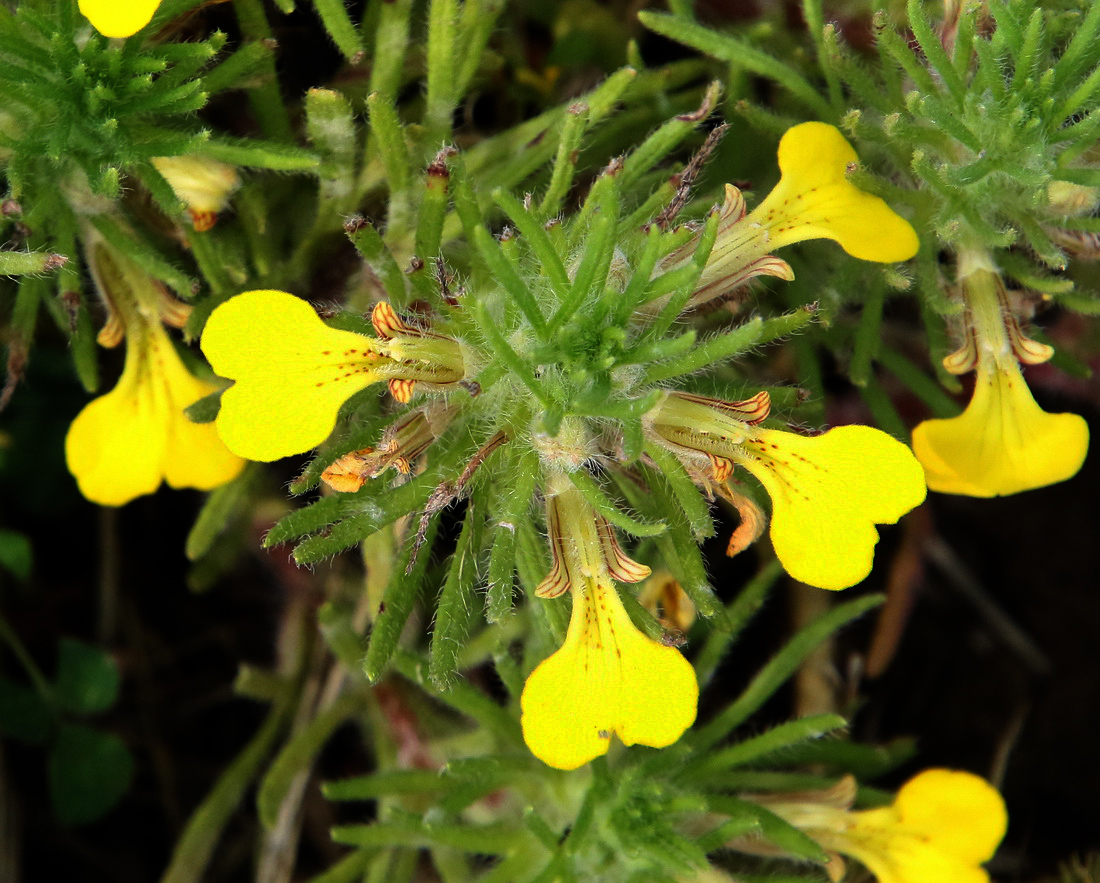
x=775, y=829
x=28, y=263
x=344, y=33
x=260, y=154
x=594, y=493
x=779, y=738
x=330, y=125
x=397, y=604
x=87, y=678
x=694, y=504
x=366, y=513
x=440, y=95
x=298, y=755
x=206, y=409
x=16, y=554
x=84, y=350
x=726, y=47
x=779, y=669
x=456, y=604
x=242, y=68
x=88, y=772
x=514, y=508
x=24, y=714
x=391, y=39
x=839, y=756
x=565, y=160
x=222, y=505
x=306, y=520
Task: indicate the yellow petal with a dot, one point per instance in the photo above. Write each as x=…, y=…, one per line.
x=815, y=200
x=828, y=492
x=115, y=446
x=118, y=18
x=124, y=443
x=962, y=813
x=1003, y=443
x=292, y=373
x=195, y=455
x=607, y=678
x=942, y=826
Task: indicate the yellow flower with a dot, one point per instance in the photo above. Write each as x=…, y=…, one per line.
x=123, y=444
x=941, y=827
x=118, y=18
x=293, y=372
x=828, y=491
x=813, y=200
x=608, y=677
x=1003, y=443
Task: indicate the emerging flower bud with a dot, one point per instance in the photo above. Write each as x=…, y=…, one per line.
x=204, y=185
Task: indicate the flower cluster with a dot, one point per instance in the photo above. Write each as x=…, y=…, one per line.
x=608, y=678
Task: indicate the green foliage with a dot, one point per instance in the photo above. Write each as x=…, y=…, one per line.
x=88, y=771
x=642, y=815
x=982, y=126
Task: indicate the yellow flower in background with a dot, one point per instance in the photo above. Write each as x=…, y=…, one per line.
x=1003, y=443
x=293, y=372
x=942, y=826
x=813, y=200
x=607, y=677
x=125, y=443
x=118, y=18
x=828, y=491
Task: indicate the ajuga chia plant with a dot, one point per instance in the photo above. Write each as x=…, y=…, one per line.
x=550, y=373
x=541, y=379
x=543, y=387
